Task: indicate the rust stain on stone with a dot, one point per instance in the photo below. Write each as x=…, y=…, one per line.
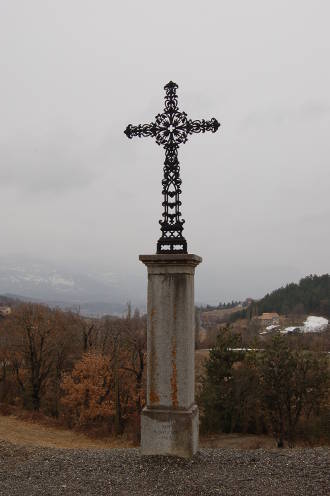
x=153, y=396
x=174, y=384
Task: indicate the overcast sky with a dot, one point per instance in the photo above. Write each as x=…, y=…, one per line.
x=75, y=190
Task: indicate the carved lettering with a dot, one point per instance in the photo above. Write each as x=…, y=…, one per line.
x=163, y=430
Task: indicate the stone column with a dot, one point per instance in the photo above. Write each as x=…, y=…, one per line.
x=169, y=422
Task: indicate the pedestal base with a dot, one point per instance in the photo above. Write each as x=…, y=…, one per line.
x=169, y=423
x=169, y=432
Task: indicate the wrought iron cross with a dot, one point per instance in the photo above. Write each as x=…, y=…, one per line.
x=171, y=129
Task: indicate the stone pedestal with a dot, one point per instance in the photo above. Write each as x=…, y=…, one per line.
x=169, y=423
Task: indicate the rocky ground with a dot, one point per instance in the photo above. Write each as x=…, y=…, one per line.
x=31, y=471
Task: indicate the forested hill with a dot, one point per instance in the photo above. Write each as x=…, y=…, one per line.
x=310, y=295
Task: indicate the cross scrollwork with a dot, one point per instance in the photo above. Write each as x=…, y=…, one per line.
x=171, y=129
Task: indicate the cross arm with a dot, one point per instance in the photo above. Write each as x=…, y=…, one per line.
x=200, y=126
x=140, y=130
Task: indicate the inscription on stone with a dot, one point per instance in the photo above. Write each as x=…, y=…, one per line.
x=163, y=430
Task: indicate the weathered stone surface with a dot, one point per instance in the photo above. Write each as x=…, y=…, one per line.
x=169, y=432
x=170, y=364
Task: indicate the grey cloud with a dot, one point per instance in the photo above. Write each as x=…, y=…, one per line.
x=54, y=164
x=314, y=109
x=279, y=114
x=255, y=196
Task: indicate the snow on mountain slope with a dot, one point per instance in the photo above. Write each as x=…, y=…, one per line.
x=315, y=324
x=311, y=324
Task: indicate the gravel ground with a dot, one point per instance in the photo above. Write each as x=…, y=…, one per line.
x=31, y=471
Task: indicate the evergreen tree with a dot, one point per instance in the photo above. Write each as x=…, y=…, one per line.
x=217, y=396
x=293, y=383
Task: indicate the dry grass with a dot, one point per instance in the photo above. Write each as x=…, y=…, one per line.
x=31, y=433
x=219, y=314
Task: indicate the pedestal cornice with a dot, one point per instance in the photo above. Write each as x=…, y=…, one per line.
x=166, y=259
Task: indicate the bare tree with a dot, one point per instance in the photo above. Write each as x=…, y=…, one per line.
x=38, y=341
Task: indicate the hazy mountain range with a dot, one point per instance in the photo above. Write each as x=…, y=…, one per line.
x=93, y=294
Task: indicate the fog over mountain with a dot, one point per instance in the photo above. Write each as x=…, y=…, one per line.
x=59, y=286
x=100, y=292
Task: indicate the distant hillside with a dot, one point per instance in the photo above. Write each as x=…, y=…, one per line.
x=24, y=279
x=209, y=318
x=89, y=309
x=8, y=301
x=46, y=281
x=310, y=296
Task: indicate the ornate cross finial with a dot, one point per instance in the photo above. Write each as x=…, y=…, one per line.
x=171, y=129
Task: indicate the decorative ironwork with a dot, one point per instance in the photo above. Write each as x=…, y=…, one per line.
x=171, y=129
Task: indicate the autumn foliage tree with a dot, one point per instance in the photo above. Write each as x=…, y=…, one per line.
x=107, y=384
x=93, y=390
x=87, y=371
x=88, y=391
